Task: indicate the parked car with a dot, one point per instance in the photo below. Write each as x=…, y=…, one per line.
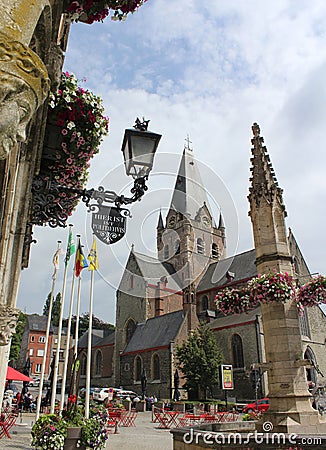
x=34, y=383
x=100, y=394
x=261, y=406
x=124, y=394
x=82, y=392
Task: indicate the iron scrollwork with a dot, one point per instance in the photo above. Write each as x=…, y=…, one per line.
x=53, y=203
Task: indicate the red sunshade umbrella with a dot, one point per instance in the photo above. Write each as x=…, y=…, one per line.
x=13, y=374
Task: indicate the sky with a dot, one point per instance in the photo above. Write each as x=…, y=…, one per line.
x=207, y=70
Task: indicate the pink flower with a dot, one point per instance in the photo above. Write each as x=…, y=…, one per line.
x=64, y=131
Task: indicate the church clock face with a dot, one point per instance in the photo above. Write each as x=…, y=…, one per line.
x=172, y=221
x=205, y=220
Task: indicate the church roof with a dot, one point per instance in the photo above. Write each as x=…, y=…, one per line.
x=189, y=193
x=235, y=268
x=99, y=337
x=154, y=271
x=234, y=319
x=156, y=332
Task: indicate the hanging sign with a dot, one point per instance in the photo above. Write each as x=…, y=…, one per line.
x=109, y=224
x=227, y=376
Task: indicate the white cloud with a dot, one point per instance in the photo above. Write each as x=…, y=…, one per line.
x=209, y=71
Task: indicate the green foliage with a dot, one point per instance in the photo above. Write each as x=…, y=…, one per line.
x=98, y=324
x=199, y=358
x=17, y=337
x=56, y=306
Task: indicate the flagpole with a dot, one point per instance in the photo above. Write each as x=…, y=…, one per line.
x=77, y=317
x=89, y=348
x=48, y=325
x=93, y=265
x=57, y=355
x=66, y=355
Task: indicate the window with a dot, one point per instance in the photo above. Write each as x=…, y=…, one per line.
x=137, y=368
x=32, y=338
x=98, y=362
x=83, y=366
x=204, y=301
x=177, y=247
x=38, y=368
x=31, y=351
x=237, y=352
x=130, y=329
x=156, y=373
x=40, y=352
x=215, y=251
x=311, y=372
x=304, y=324
x=200, y=246
x=41, y=339
x=166, y=252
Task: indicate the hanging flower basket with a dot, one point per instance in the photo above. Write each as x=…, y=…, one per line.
x=272, y=287
x=235, y=301
x=266, y=288
x=75, y=128
x=313, y=293
x=89, y=11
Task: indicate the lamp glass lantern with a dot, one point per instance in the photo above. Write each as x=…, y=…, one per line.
x=138, y=149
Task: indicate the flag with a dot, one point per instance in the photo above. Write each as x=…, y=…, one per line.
x=55, y=259
x=71, y=248
x=92, y=257
x=81, y=261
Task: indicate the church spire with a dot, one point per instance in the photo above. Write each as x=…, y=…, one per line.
x=189, y=193
x=160, y=224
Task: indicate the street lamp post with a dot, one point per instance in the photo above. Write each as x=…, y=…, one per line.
x=138, y=147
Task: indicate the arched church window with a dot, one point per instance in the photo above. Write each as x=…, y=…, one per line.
x=177, y=246
x=137, y=368
x=166, y=252
x=204, y=301
x=237, y=352
x=156, y=372
x=215, y=251
x=200, y=246
x=311, y=371
x=98, y=363
x=130, y=329
x=83, y=366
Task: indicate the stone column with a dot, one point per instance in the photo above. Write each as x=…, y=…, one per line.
x=290, y=406
x=24, y=86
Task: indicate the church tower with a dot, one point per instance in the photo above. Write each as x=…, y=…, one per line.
x=190, y=239
x=290, y=407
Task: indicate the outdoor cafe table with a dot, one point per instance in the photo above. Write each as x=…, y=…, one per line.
x=169, y=419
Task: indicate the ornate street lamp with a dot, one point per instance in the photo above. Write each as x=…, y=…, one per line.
x=108, y=223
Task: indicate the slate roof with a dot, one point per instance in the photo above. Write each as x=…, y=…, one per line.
x=234, y=319
x=99, y=337
x=37, y=322
x=242, y=266
x=155, y=332
x=189, y=194
x=154, y=270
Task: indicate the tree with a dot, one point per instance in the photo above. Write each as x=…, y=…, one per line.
x=199, y=358
x=56, y=306
x=97, y=324
x=16, y=339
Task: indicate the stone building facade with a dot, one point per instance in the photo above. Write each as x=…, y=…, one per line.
x=192, y=266
x=32, y=45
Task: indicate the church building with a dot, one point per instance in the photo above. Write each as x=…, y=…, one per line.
x=161, y=300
